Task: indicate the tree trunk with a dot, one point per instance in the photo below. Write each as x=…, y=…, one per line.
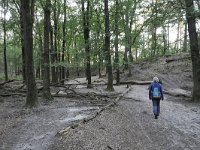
x=107, y=48
x=164, y=40
x=154, y=30
x=27, y=7
x=87, y=39
x=117, y=41
x=53, y=68
x=4, y=41
x=98, y=43
x=194, y=49
x=54, y=54
x=47, y=26
x=63, y=44
x=185, y=38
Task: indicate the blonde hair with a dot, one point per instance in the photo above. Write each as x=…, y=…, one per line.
x=155, y=79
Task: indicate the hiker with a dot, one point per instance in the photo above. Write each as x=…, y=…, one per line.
x=156, y=94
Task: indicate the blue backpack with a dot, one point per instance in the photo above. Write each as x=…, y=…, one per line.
x=156, y=92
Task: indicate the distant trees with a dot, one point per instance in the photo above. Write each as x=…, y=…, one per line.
x=90, y=36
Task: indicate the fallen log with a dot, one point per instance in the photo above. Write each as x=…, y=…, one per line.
x=136, y=82
x=168, y=60
x=178, y=93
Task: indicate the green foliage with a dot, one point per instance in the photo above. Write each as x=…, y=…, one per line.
x=146, y=15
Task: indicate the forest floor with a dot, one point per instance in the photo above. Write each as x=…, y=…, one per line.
x=95, y=119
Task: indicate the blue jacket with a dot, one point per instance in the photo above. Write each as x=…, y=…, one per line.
x=151, y=87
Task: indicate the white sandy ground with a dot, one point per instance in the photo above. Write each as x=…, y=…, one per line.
x=131, y=126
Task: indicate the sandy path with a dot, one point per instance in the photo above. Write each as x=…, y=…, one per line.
x=131, y=125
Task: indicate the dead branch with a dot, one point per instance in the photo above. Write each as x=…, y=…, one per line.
x=13, y=94
x=2, y=84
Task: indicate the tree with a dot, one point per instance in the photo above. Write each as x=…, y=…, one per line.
x=107, y=47
x=27, y=7
x=194, y=46
x=47, y=25
x=5, y=7
x=116, y=42
x=63, y=44
x=86, y=30
x=54, y=51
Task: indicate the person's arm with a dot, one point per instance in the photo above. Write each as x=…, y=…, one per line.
x=150, y=92
x=161, y=91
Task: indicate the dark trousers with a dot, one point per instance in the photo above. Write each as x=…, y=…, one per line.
x=156, y=106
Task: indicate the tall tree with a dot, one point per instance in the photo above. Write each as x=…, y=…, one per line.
x=27, y=7
x=194, y=46
x=5, y=7
x=56, y=13
x=107, y=47
x=86, y=28
x=116, y=42
x=47, y=26
x=64, y=43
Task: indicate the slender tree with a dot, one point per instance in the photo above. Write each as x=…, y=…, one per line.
x=86, y=28
x=27, y=7
x=117, y=41
x=107, y=47
x=54, y=52
x=194, y=46
x=5, y=7
x=185, y=37
x=47, y=25
x=63, y=44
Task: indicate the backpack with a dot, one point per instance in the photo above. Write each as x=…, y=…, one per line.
x=156, y=92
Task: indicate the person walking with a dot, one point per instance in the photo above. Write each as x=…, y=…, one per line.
x=156, y=94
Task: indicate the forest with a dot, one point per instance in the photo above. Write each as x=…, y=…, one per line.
x=93, y=53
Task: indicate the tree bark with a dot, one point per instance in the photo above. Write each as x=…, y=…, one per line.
x=63, y=44
x=5, y=41
x=27, y=7
x=86, y=31
x=54, y=50
x=98, y=43
x=47, y=26
x=194, y=49
x=117, y=41
x=107, y=47
x=185, y=38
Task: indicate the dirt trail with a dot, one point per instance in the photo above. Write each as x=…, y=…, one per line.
x=131, y=125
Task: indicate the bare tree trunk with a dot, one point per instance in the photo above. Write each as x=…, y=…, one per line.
x=63, y=44
x=117, y=41
x=54, y=54
x=164, y=40
x=47, y=26
x=27, y=7
x=185, y=38
x=107, y=48
x=87, y=39
x=194, y=46
x=5, y=5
